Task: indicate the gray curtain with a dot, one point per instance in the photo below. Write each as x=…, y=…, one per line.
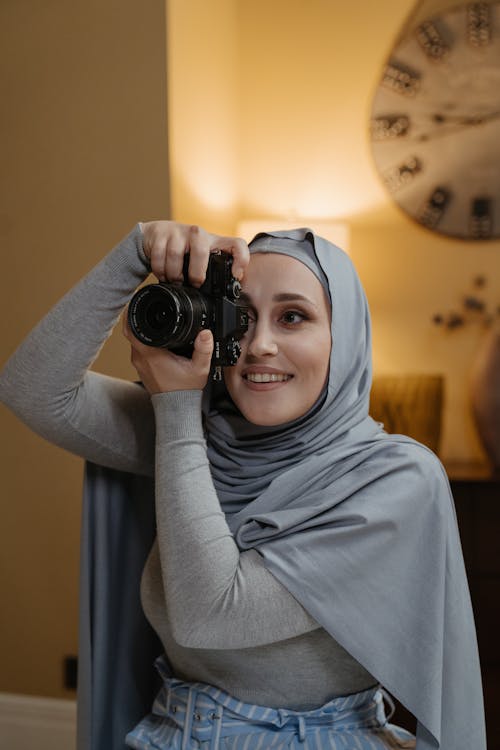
x=117, y=681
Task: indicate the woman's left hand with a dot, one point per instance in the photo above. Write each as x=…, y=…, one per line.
x=162, y=371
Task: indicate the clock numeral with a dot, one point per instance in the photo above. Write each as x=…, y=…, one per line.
x=481, y=220
x=431, y=41
x=432, y=211
x=479, y=24
x=400, y=79
x=403, y=174
x=390, y=126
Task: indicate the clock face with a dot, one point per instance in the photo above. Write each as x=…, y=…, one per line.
x=435, y=123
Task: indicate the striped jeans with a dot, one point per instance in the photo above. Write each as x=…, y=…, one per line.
x=188, y=715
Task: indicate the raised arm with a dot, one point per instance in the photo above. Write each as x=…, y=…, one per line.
x=216, y=595
x=47, y=382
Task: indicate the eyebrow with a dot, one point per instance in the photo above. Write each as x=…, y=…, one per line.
x=281, y=297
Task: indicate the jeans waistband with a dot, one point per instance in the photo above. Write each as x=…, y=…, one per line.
x=204, y=712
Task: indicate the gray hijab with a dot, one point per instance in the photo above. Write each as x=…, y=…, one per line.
x=357, y=524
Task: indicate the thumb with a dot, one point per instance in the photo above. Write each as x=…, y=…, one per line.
x=203, y=348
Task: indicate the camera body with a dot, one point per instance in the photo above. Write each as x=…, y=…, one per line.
x=171, y=315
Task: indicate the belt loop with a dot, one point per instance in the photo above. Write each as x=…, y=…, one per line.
x=216, y=728
x=302, y=728
x=390, y=703
x=188, y=719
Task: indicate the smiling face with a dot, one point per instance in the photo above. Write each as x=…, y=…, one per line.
x=285, y=353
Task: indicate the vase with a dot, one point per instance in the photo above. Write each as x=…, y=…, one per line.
x=485, y=395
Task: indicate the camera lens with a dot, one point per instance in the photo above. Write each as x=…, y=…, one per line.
x=167, y=315
x=158, y=314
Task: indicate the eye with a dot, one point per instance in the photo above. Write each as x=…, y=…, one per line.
x=293, y=317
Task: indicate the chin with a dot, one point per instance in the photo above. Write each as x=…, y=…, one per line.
x=265, y=410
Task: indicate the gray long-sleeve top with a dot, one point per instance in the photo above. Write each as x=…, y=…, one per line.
x=221, y=615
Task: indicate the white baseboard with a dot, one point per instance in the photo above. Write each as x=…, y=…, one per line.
x=30, y=722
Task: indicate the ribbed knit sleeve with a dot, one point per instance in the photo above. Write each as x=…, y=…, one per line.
x=216, y=597
x=47, y=381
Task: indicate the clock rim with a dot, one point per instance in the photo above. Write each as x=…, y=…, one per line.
x=415, y=19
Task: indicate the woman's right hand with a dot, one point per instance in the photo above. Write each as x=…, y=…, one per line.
x=166, y=242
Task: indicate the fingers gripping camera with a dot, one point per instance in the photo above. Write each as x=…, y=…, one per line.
x=171, y=316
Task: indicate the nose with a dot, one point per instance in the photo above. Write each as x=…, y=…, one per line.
x=261, y=341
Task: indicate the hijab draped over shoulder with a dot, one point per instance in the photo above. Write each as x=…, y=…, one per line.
x=358, y=525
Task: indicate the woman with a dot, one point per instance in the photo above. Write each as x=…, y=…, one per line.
x=304, y=557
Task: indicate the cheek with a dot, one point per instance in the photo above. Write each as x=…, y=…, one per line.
x=314, y=357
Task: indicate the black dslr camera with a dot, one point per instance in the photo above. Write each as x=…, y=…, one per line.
x=171, y=315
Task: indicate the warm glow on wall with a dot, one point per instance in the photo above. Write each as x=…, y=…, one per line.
x=278, y=178
x=203, y=112
x=263, y=134
x=335, y=232
x=207, y=180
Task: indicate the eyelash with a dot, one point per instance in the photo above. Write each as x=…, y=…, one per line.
x=253, y=318
x=296, y=313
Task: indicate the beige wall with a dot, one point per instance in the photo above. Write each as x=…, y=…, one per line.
x=305, y=74
x=204, y=136
x=84, y=157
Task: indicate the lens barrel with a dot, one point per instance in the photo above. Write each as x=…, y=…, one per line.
x=167, y=315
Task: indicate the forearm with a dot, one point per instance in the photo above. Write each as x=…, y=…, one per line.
x=216, y=596
x=46, y=381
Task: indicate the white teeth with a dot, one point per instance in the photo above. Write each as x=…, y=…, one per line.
x=266, y=377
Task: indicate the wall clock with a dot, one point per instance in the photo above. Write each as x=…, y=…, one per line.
x=435, y=121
